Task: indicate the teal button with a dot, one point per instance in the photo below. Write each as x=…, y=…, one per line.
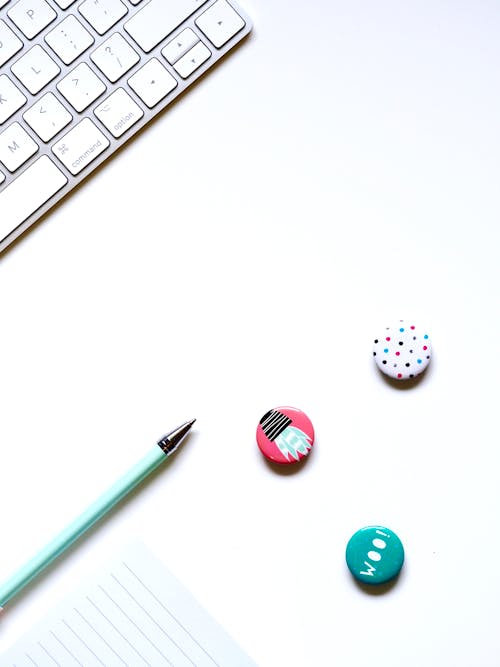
x=374, y=555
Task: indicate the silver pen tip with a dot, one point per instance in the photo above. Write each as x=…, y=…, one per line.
x=170, y=442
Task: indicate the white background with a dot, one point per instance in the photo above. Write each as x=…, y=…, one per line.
x=339, y=171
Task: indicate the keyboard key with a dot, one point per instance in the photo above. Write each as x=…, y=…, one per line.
x=47, y=117
x=3, y=3
x=152, y=82
x=158, y=19
x=102, y=14
x=179, y=45
x=16, y=146
x=10, y=44
x=2, y=178
x=119, y=112
x=31, y=16
x=11, y=98
x=32, y=189
x=115, y=57
x=81, y=146
x=35, y=69
x=220, y=22
x=81, y=87
x=69, y=39
x=192, y=60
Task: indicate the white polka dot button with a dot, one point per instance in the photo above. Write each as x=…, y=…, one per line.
x=403, y=351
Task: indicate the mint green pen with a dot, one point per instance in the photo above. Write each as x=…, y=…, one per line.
x=166, y=446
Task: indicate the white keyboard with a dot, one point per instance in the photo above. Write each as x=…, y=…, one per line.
x=79, y=77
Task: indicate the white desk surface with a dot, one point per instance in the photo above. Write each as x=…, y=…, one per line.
x=338, y=172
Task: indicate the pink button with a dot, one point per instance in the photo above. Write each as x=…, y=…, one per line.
x=285, y=435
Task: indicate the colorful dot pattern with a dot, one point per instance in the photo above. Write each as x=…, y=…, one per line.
x=402, y=351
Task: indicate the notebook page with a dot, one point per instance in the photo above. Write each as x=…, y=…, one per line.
x=134, y=613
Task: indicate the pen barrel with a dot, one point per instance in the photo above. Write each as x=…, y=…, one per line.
x=81, y=524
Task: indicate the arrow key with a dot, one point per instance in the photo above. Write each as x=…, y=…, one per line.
x=47, y=117
x=220, y=22
x=192, y=60
x=152, y=82
x=179, y=45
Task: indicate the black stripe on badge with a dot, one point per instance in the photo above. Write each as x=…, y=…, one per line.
x=273, y=423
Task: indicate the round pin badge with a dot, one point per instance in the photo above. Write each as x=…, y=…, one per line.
x=402, y=351
x=374, y=555
x=285, y=435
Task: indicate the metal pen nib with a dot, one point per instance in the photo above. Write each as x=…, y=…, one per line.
x=170, y=442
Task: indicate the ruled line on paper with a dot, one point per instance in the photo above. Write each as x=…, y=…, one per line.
x=48, y=654
x=66, y=648
x=116, y=629
x=84, y=643
x=101, y=637
x=172, y=616
x=148, y=639
x=153, y=620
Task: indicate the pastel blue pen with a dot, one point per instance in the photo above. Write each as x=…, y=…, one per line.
x=165, y=447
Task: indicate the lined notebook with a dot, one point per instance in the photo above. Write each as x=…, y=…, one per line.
x=134, y=613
